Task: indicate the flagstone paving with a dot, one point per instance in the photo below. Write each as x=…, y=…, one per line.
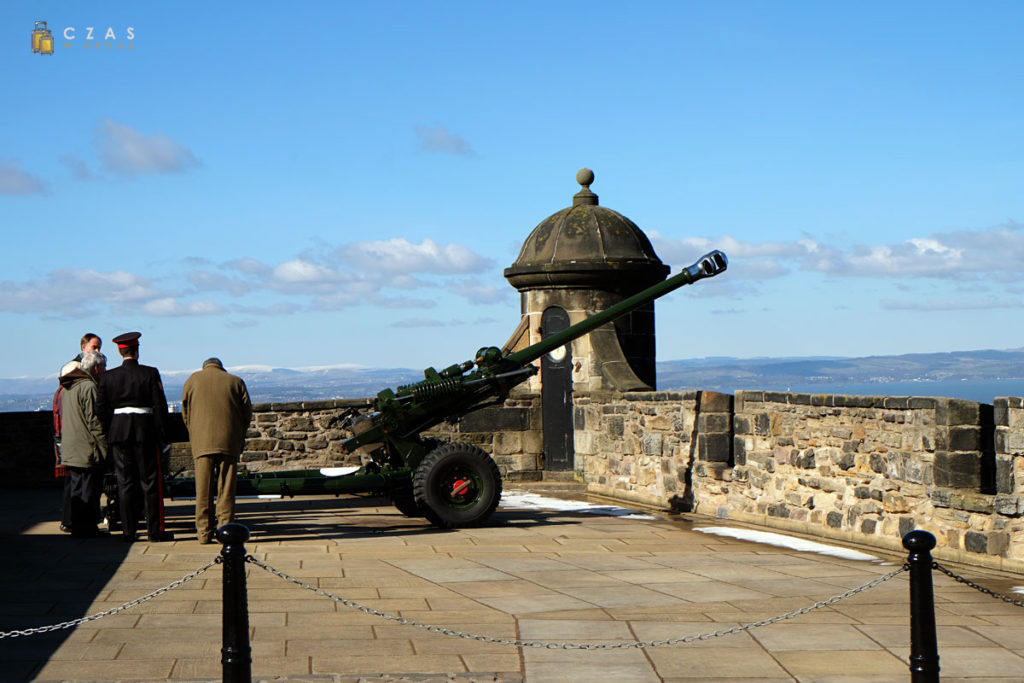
x=554, y=577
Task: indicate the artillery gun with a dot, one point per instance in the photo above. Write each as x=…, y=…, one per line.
x=451, y=484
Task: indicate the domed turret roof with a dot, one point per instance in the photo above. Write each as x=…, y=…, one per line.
x=586, y=245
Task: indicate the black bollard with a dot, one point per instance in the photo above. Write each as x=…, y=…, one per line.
x=924, y=647
x=236, y=654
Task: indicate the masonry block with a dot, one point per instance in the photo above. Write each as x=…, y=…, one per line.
x=496, y=418
x=965, y=439
x=954, y=411
x=1004, y=474
x=714, y=422
x=713, y=447
x=741, y=425
x=715, y=402
x=739, y=450
x=762, y=424
x=907, y=525
x=976, y=542
x=957, y=470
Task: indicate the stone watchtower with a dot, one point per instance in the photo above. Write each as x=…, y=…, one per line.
x=575, y=263
x=582, y=260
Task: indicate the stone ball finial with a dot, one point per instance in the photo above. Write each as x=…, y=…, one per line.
x=584, y=177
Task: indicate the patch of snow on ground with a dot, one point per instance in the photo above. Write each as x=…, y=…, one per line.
x=786, y=542
x=1017, y=589
x=521, y=500
x=337, y=471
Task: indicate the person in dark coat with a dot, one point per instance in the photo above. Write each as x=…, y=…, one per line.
x=83, y=444
x=60, y=471
x=134, y=407
x=217, y=410
x=89, y=342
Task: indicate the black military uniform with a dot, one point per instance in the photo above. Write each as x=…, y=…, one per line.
x=134, y=408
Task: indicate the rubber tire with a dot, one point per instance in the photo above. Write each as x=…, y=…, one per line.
x=433, y=480
x=403, y=499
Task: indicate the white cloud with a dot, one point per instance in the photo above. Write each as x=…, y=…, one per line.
x=402, y=256
x=996, y=252
x=438, y=139
x=760, y=259
x=929, y=305
x=14, y=180
x=281, y=308
x=475, y=291
x=169, y=306
x=305, y=272
x=249, y=266
x=126, y=151
x=76, y=292
x=424, y=322
x=208, y=282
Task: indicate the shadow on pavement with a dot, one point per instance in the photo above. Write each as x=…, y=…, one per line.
x=47, y=577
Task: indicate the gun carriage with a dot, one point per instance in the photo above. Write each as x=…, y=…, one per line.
x=451, y=484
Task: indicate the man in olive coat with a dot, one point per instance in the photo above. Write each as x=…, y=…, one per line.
x=83, y=443
x=217, y=410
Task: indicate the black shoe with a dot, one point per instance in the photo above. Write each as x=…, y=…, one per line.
x=65, y=528
x=161, y=536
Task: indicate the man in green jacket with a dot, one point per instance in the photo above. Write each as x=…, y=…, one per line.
x=217, y=410
x=83, y=444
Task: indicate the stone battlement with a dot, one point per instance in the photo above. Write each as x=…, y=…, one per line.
x=861, y=469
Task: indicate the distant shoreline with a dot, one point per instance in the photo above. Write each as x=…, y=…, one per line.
x=979, y=391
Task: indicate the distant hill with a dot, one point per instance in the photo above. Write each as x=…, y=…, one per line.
x=925, y=374
x=921, y=374
x=266, y=385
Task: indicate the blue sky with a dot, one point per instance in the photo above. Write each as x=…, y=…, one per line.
x=330, y=182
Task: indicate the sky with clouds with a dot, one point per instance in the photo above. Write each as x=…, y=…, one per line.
x=333, y=182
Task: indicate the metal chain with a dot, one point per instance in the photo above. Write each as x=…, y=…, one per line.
x=115, y=610
x=982, y=589
x=574, y=646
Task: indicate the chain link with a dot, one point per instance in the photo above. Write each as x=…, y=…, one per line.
x=981, y=589
x=575, y=646
x=115, y=610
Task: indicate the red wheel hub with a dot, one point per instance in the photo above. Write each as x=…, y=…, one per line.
x=459, y=487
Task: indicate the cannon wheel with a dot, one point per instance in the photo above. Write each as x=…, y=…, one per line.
x=457, y=485
x=402, y=496
x=403, y=499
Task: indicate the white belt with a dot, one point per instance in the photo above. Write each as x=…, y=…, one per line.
x=129, y=410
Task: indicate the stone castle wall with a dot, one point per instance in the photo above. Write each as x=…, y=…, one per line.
x=862, y=469
x=308, y=435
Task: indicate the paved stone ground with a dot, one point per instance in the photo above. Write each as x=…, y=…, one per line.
x=532, y=575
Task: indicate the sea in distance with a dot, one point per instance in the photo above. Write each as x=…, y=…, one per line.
x=981, y=391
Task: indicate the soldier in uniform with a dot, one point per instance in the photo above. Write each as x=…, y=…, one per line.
x=134, y=407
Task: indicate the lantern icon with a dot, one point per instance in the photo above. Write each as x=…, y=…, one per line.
x=42, y=39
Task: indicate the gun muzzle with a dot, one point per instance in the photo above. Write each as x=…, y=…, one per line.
x=709, y=265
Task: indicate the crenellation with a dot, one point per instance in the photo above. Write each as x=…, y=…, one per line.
x=862, y=468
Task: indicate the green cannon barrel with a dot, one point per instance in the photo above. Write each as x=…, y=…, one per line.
x=709, y=265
